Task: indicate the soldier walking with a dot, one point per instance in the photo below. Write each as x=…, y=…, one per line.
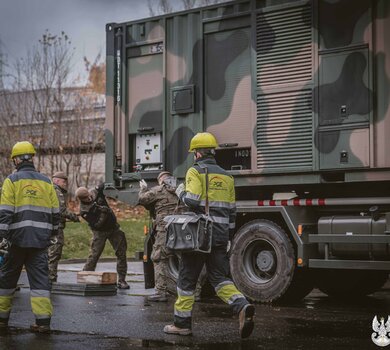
x=29, y=216
x=60, y=181
x=101, y=219
x=221, y=199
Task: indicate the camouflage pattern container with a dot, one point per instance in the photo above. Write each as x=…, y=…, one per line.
x=297, y=94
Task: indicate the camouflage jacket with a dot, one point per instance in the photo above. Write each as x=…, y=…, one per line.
x=98, y=214
x=160, y=201
x=62, y=196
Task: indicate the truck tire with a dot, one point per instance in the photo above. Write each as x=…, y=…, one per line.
x=263, y=266
x=350, y=283
x=172, y=274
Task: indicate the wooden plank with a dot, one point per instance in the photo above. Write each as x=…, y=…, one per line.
x=96, y=277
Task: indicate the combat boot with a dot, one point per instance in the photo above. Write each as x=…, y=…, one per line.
x=122, y=284
x=246, y=320
x=158, y=297
x=172, y=329
x=40, y=328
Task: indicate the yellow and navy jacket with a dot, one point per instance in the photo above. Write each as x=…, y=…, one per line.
x=221, y=197
x=29, y=208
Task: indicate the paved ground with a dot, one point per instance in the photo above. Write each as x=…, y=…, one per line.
x=126, y=321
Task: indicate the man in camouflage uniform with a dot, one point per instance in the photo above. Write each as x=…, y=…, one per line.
x=162, y=201
x=60, y=181
x=101, y=219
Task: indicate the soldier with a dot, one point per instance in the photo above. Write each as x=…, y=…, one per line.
x=29, y=216
x=221, y=198
x=101, y=219
x=162, y=201
x=60, y=181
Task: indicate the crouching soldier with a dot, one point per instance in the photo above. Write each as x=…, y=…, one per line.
x=60, y=181
x=101, y=219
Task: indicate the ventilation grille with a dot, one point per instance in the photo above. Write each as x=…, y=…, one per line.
x=284, y=46
x=284, y=130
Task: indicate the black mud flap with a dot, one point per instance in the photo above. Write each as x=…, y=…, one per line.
x=148, y=264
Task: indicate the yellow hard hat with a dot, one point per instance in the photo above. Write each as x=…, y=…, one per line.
x=203, y=140
x=22, y=148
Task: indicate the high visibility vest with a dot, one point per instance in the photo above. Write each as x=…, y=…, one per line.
x=29, y=208
x=221, y=197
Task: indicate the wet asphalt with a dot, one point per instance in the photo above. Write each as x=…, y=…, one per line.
x=127, y=321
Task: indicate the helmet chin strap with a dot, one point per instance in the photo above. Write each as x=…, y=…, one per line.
x=23, y=158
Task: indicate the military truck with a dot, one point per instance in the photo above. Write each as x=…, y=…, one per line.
x=297, y=94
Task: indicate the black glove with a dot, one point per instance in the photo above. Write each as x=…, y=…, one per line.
x=4, y=244
x=100, y=188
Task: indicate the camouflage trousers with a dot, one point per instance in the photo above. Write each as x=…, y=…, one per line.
x=54, y=253
x=160, y=257
x=118, y=242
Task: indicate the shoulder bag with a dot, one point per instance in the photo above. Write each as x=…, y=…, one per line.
x=190, y=232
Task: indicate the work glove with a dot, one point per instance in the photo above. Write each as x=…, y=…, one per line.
x=179, y=190
x=4, y=248
x=4, y=244
x=143, y=184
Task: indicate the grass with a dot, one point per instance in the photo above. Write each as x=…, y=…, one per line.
x=78, y=237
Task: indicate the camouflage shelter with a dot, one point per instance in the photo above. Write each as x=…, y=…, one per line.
x=297, y=94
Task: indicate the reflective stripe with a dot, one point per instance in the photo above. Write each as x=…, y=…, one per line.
x=42, y=317
x=4, y=226
x=7, y=207
x=185, y=292
x=55, y=210
x=222, y=284
x=193, y=196
x=30, y=223
x=7, y=292
x=234, y=297
x=41, y=307
x=228, y=292
x=183, y=305
x=219, y=204
x=40, y=293
x=183, y=314
x=34, y=208
x=232, y=225
x=220, y=220
x=5, y=305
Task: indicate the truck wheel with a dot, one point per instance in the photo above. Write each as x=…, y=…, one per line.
x=262, y=264
x=172, y=274
x=350, y=283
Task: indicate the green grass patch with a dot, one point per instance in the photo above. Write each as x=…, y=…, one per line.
x=78, y=237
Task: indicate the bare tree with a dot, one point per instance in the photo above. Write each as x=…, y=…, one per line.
x=43, y=107
x=159, y=7
x=189, y=4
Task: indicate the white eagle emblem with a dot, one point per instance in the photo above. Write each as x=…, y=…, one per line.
x=381, y=329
